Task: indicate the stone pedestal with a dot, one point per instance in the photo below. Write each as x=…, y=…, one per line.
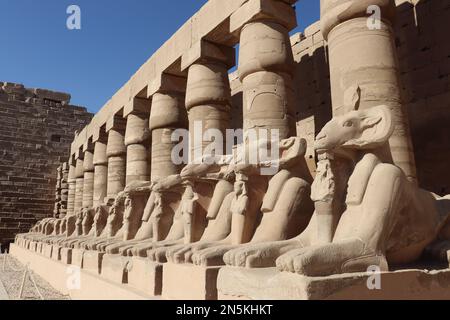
x=92, y=261
x=189, y=282
x=263, y=284
x=114, y=268
x=77, y=257
x=47, y=250
x=66, y=255
x=145, y=276
x=58, y=275
x=56, y=252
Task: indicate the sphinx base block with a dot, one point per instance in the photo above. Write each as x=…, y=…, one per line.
x=40, y=246
x=47, y=250
x=58, y=275
x=115, y=268
x=66, y=255
x=92, y=261
x=189, y=282
x=77, y=257
x=56, y=252
x=262, y=284
x=34, y=246
x=145, y=276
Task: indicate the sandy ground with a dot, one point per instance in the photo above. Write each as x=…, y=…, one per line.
x=11, y=275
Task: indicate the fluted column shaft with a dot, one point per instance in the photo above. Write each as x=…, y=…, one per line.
x=79, y=183
x=100, y=172
x=64, y=190
x=72, y=187
x=88, y=181
x=266, y=71
x=117, y=157
x=137, y=141
x=208, y=103
x=167, y=114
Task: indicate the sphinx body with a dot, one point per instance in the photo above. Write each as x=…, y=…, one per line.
x=206, y=217
x=261, y=208
x=367, y=212
x=156, y=216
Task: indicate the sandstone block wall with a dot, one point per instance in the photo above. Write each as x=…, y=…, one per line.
x=423, y=48
x=36, y=129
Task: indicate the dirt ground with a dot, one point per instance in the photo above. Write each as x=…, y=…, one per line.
x=11, y=275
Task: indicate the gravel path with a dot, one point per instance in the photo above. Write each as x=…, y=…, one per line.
x=12, y=276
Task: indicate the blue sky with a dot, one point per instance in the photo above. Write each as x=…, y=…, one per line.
x=116, y=38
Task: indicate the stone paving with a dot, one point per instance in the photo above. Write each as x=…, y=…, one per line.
x=11, y=275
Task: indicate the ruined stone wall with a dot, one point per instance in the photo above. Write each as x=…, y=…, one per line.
x=36, y=129
x=423, y=49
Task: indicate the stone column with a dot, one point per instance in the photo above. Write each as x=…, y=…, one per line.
x=117, y=156
x=208, y=93
x=365, y=59
x=72, y=186
x=64, y=190
x=167, y=114
x=58, y=193
x=266, y=65
x=79, y=183
x=137, y=141
x=88, y=186
x=100, y=170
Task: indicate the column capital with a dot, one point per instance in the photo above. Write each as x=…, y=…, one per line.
x=279, y=11
x=204, y=51
x=335, y=12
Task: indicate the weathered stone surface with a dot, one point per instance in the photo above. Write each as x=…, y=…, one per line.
x=268, y=284
x=35, y=138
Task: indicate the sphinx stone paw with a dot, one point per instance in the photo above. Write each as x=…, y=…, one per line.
x=209, y=257
x=313, y=261
x=285, y=263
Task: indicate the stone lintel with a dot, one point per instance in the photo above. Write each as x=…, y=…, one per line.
x=166, y=83
x=207, y=51
x=99, y=135
x=279, y=11
x=79, y=154
x=117, y=122
x=137, y=105
x=88, y=145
